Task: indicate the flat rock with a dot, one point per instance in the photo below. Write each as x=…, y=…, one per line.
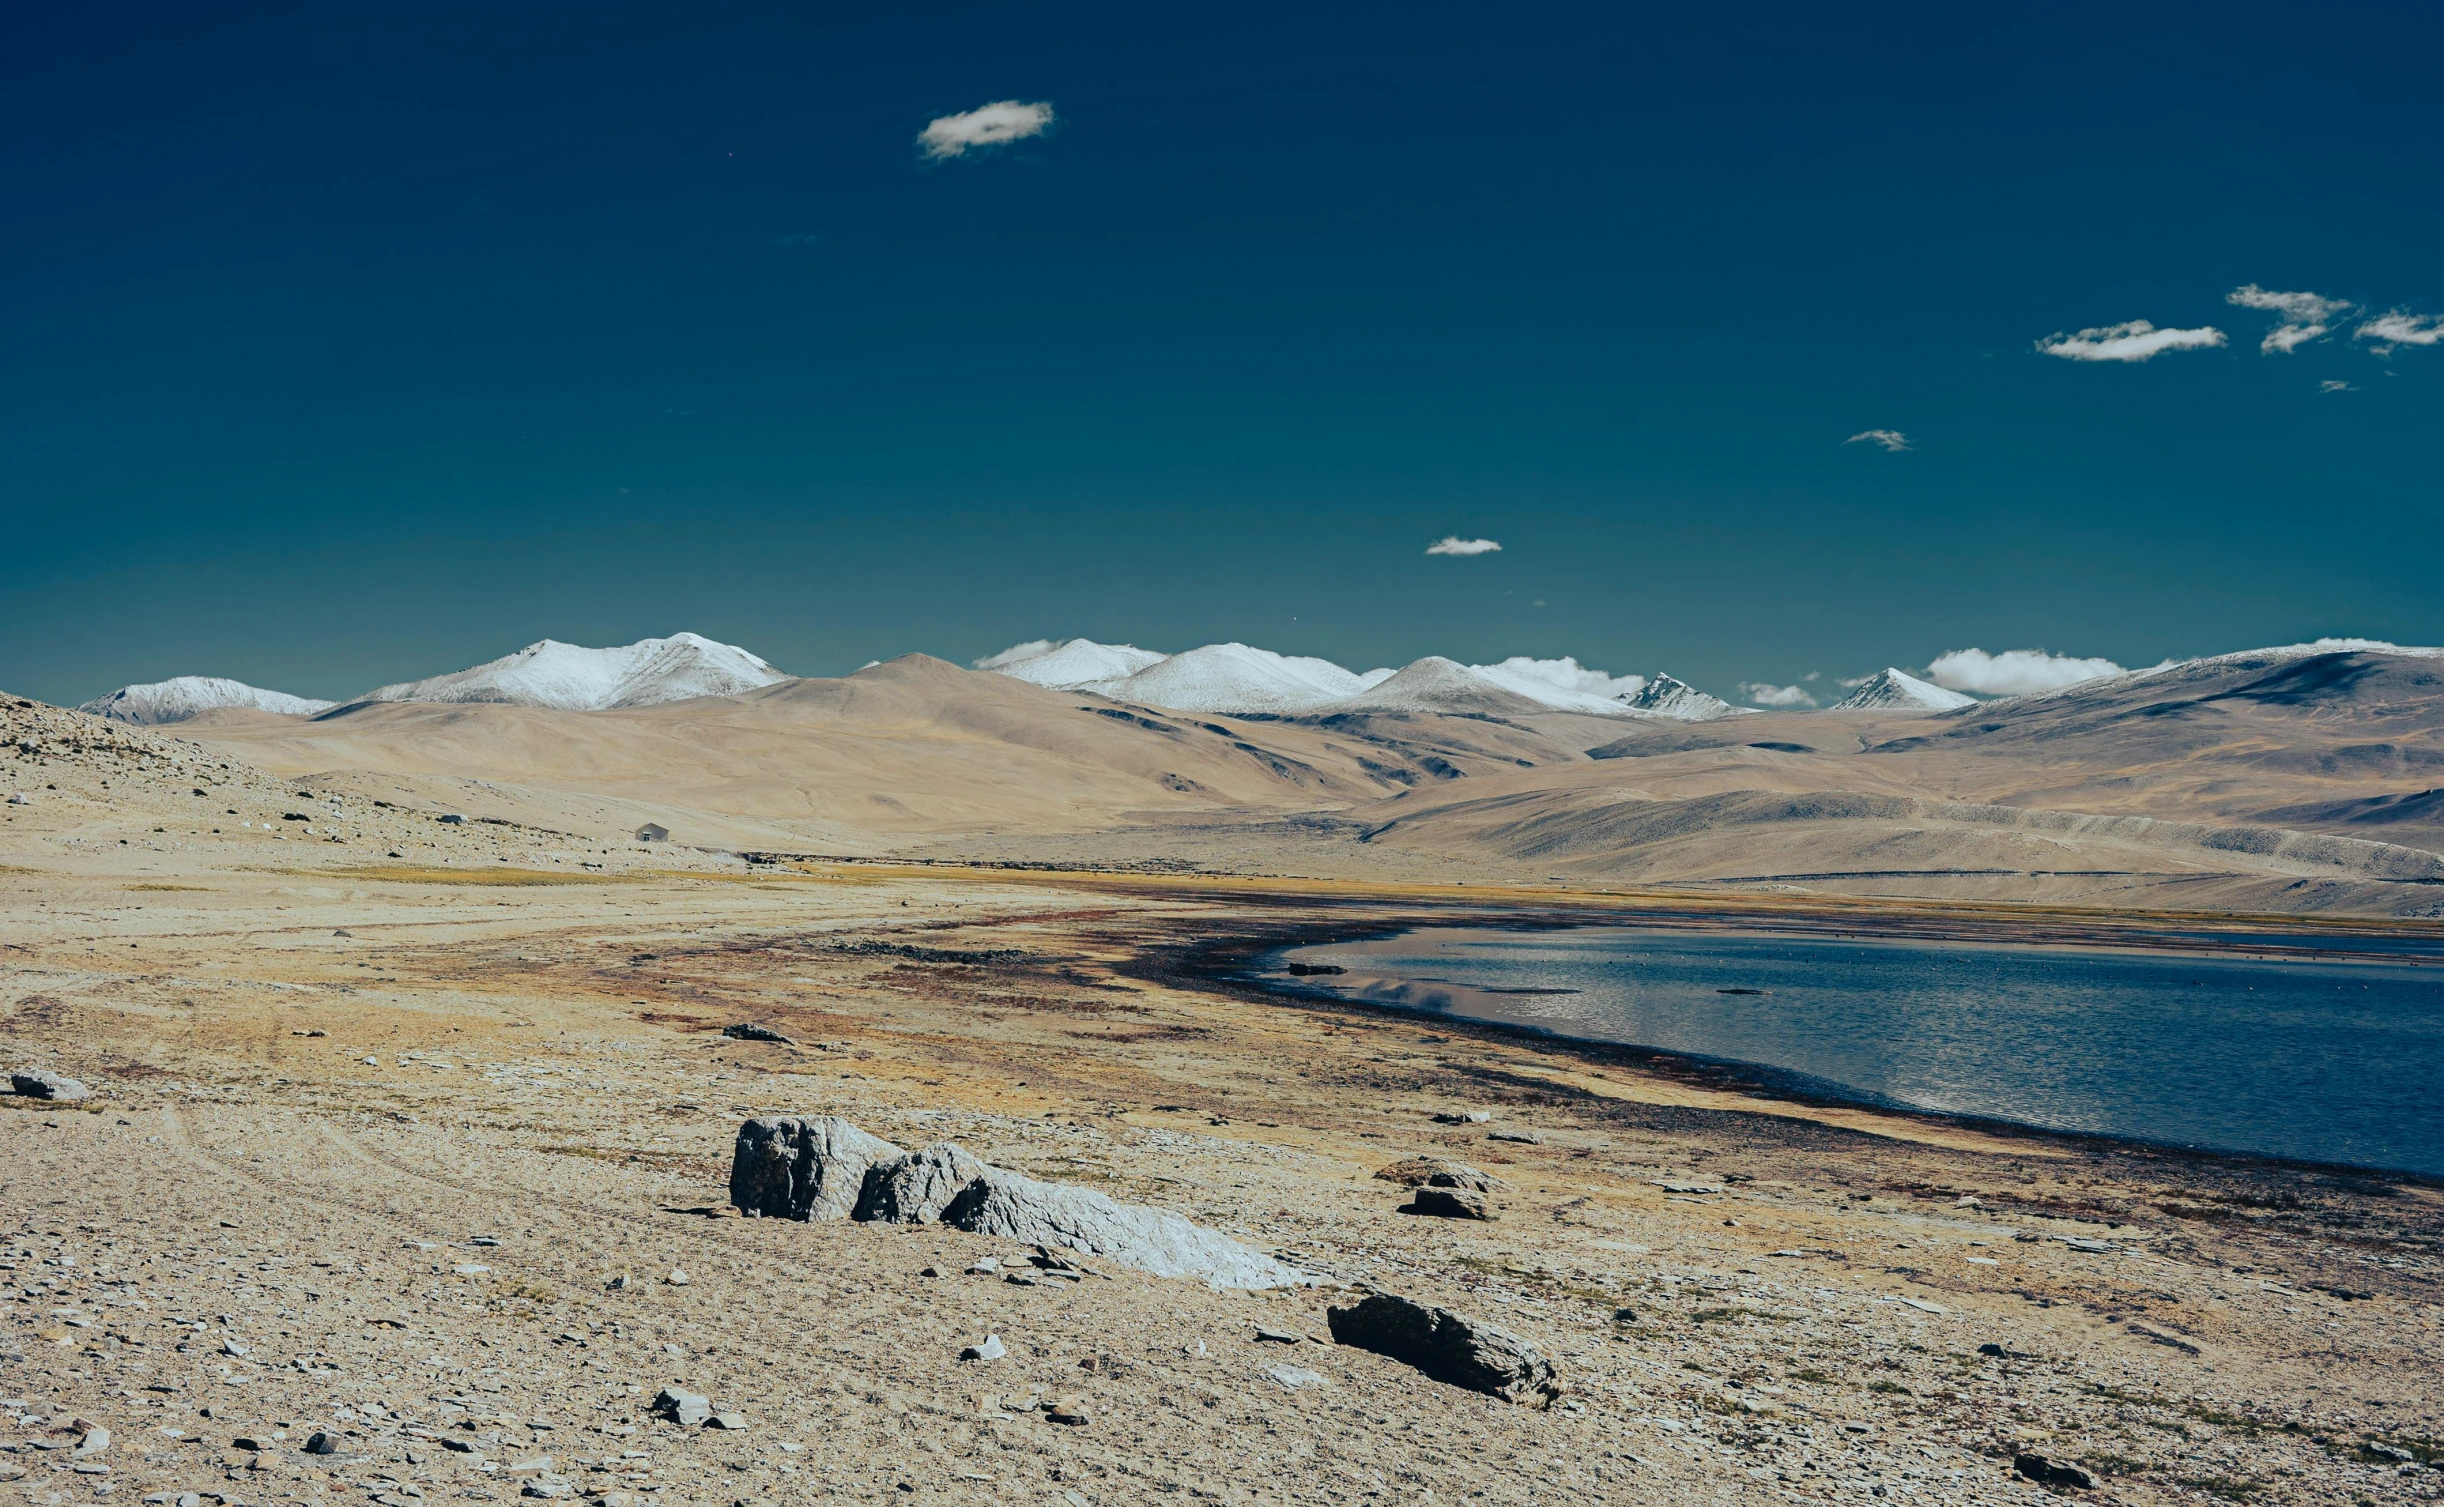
x=920, y=1187
x=1418, y=1171
x=747, y=1030
x=989, y=1348
x=1462, y=1117
x=680, y=1406
x=39, y=1083
x=1448, y=1347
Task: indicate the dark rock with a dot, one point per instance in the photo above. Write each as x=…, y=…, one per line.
x=39, y=1083
x=320, y=1443
x=1449, y=1348
x=1523, y=1137
x=787, y=1167
x=1449, y=1203
x=747, y=1030
x=2053, y=1473
x=680, y=1406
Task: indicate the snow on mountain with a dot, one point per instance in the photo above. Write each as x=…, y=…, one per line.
x=1436, y=684
x=1665, y=696
x=1070, y=663
x=184, y=696
x=1893, y=691
x=571, y=678
x=1564, y=684
x=1233, y=678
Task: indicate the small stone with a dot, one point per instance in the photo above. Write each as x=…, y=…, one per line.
x=459, y=1446
x=1266, y=1336
x=539, y=1465
x=1295, y=1377
x=931, y=1271
x=749, y=1031
x=1021, y=1279
x=1448, y=1347
x=1522, y=1137
x=232, y=1347
x=685, y=1408
x=985, y=1266
x=96, y=1440
x=320, y=1443
x=677, y=1278
x=726, y=1421
x=991, y=1348
x=2052, y=1472
x=40, y=1083
x=548, y=1488
x=620, y=1282
x=1462, y=1117
x=1070, y=1410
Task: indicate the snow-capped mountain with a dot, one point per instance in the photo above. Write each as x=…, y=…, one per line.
x=1665, y=696
x=1893, y=691
x=1564, y=684
x=571, y=678
x=1436, y=684
x=1235, y=678
x=184, y=696
x=1071, y=662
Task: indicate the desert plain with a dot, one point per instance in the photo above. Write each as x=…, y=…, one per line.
x=403, y=1177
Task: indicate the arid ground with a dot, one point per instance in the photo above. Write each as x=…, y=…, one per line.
x=427, y=1155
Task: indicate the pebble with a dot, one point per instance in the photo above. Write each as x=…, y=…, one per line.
x=990, y=1349
x=1276, y=1336
x=1295, y=1377
x=677, y=1278
x=1069, y=1410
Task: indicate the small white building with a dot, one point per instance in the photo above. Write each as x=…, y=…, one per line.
x=653, y=832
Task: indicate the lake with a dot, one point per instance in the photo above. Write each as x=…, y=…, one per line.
x=2319, y=1061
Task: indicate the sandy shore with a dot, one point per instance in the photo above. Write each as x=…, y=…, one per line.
x=320, y=1083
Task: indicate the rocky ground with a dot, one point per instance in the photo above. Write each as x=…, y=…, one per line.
x=427, y=1156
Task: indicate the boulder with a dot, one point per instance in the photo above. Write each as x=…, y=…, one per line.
x=789, y=1167
x=918, y=1187
x=1450, y=1203
x=1448, y=1347
x=825, y=1168
x=1018, y=1207
x=38, y=1083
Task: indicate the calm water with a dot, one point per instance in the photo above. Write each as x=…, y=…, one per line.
x=2340, y=1062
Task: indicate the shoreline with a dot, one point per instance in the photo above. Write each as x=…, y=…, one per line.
x=1228, y=962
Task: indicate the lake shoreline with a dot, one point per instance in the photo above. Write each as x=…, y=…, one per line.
x=1233, y=962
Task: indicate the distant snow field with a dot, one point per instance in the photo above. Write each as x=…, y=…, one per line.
x=185, y=696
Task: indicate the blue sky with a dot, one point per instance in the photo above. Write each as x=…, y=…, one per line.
x=350, y=348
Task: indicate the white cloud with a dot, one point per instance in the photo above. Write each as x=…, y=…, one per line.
x=2305, y=316
x=2335, y=384
x=996, y=124
x=1453, y=544
x=1563, y=674
x=1760, y=694
x=1016, y=652
x=2014, y=672
x=2135, y=341
x=2398, y=328
x=1893, y=440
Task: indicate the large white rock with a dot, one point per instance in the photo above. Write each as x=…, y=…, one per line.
x=789, y=1167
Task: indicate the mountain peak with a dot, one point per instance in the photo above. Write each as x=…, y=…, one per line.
x=1670, y=696
x=570, y=677
x=183, y=696
x=1896, y=691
